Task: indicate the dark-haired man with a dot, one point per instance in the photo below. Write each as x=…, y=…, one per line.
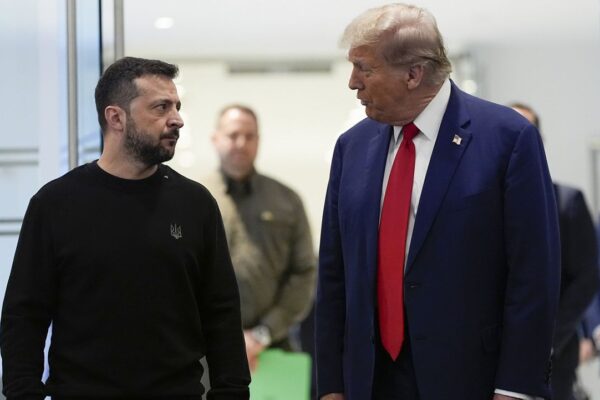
x=128, y=260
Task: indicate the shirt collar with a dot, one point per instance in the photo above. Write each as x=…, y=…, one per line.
x=243, y=187
x=430, y=119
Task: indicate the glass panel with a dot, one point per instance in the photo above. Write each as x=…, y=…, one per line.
x=89, y=69
x=33, y=145
x=32, y=109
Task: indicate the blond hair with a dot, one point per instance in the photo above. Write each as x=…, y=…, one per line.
x=404, y=35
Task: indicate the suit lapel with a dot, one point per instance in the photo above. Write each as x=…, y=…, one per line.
x=375, y=166
x=376, y=158
x=444, y=160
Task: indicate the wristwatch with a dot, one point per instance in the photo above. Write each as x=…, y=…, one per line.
x=261, y=334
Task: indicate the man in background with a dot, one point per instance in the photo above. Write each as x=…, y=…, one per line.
x=128, y=260
x=439, y=261
x=268, y=234
x=579, y=276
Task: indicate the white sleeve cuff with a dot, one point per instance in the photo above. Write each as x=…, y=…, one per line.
x=516, y=395
x=596, y=336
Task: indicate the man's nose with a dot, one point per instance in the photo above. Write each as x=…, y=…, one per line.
x=240, y=142
x=355, y=83
x=175, y=121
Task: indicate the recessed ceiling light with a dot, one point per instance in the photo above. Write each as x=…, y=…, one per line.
x=163, y=23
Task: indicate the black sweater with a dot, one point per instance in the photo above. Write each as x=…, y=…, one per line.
x=136, y=279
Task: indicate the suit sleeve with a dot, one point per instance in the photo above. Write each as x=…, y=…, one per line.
x=591, y=318
x=579, y=267
x=331, y=296
x=533, y=269
x=28, y=307
x=222, y=326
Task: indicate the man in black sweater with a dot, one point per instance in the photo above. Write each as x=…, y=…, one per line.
x=128, y=260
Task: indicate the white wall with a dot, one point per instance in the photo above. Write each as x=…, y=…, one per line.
x=300, y=116
x=561, y=82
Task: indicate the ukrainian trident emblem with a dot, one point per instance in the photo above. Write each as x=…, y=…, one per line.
x=176, y=231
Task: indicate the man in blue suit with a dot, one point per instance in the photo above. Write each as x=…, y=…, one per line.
x=454, y=193
x=590, y=326
x=579, y=276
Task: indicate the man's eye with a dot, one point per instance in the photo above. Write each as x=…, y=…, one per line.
x=161, y=107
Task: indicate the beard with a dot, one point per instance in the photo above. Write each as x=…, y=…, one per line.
x=144, y=148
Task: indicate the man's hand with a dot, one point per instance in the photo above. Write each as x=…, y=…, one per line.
x=333, y=396
x=586, y=350
x=503, y=397
x=253, y=349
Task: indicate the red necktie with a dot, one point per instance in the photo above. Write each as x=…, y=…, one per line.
x=393, y=229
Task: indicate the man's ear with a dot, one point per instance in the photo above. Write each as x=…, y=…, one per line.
x=115, y=118
x=414, y=76
x=214, y=138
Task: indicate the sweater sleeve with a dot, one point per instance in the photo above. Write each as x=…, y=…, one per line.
x=28, y=304
x=220, y=310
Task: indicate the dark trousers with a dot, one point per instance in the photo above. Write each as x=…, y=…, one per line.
x=564, y=365
x=394, y=380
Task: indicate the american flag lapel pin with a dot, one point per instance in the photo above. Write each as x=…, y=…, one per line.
x=456, y=140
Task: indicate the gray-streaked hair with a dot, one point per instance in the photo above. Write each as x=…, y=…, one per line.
x=404, y=35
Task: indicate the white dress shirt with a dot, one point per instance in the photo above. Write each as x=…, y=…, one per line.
x=428, y=122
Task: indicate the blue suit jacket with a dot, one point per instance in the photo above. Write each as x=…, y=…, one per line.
x=579, y=265
x=591, y=318
x=579, y=279
x=482, y=274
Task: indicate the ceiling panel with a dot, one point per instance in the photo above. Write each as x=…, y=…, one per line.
x=267, y=29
